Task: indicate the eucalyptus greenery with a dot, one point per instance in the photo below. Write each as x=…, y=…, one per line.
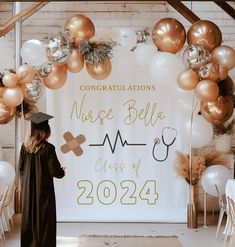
x=96, y=52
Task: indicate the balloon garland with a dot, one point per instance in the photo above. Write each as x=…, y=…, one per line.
x=13, y=82
x=206, y=62
x=48, y=64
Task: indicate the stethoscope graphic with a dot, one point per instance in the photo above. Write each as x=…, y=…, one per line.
x=157, y=141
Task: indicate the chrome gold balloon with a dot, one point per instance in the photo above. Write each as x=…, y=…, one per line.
x=80, y=28
x=100, y=71
x=13, y=96
x=207, y=90
x=10, y=80
x=205, y=33
x=75, y=63
x=169, y=35
x=25, y=73
x=219, y=111
x=56, y=78
x=224, y=55
x=187, y=79
x=7, y=113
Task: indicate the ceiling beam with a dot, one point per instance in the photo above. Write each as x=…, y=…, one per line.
x=183, y=10
x=23, y=15
x=226, y=7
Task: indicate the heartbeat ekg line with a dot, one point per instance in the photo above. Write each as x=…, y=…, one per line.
x=118, y=136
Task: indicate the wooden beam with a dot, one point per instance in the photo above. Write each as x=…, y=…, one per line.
x=183, y=10
x=23, y=15
x=226, y=7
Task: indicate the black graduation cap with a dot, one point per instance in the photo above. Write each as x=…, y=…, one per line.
x=39, y=118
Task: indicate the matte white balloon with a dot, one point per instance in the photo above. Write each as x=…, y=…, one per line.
x=7, y=175
x=125, y=37
x=143, y=54
x=122, y=61
x=165, y=67
x=33, y=52
x=215, y=175
x=202, y=132
x=187, y=102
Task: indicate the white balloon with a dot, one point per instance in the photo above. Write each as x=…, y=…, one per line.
x=165, y=67
x=143, y=54
x=33, y=52
x=202, y=131
x=122, y=59
x=215, y=175
x=187, y=102
x=125, y=37
x=7, y=175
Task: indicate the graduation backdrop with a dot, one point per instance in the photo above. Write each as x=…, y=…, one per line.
x=132, y=126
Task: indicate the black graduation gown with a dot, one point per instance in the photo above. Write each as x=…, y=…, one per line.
x=38, y=227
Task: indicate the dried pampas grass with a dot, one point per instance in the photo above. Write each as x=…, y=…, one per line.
x=215, y=158
x=199, y=164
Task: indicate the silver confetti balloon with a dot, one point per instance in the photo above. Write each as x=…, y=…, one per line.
x=45, y=69
x=58, y=48
x=33, y=90
x=195, y=56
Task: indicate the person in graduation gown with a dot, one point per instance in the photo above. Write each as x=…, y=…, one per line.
x=38, y=164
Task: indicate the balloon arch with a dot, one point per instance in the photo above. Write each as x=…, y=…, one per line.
x=206, y=62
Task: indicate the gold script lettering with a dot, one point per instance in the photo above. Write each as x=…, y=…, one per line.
x=80, y=112
x=148, y=114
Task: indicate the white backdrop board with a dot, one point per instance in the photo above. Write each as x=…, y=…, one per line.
x=132, y=127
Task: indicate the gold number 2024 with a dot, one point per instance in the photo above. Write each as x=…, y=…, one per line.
x=107, y=192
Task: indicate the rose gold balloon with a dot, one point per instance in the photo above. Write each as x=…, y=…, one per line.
x=223, y=72
x=224, y=55
x=205, y=33
x=207, y=90
x=219, y=111
x=100, y=71
x=75, y=63
x=25, y=73
x=13, y=96
x=169, y=35
x=10, y=80
x=57, y=77
x=2, y=90
x=187, y=79
x=80, y=28
x=7, y=113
